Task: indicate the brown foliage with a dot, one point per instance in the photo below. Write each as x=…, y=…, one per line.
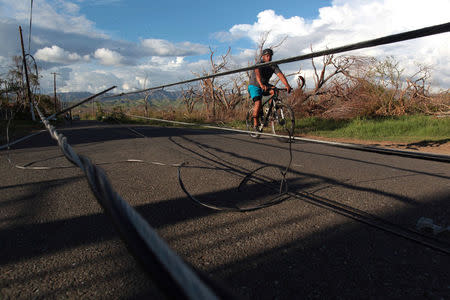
x=361, y=86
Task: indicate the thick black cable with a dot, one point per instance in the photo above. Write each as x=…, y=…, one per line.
x=395, y=38
x=278, y=199
x=80, y=102
x=29, y=33
x=374, y=221
x=172, y=275
x=101, y=187
x=282, y=195
x=345, y=210
x=402, y=153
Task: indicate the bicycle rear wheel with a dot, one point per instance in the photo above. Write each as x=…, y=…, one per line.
x=283, y=121
x=249, y=123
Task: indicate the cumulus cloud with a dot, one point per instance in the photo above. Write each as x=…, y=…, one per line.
x=60, y=15
x=269, y=21
x=351, y=21
x=64, y=36
x=108, y=57
x=93, y=81
x=56, y=54
x=158, y=47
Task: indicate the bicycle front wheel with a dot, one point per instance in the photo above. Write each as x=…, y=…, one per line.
x=283, y=121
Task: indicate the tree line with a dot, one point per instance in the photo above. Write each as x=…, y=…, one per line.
x=343, y=86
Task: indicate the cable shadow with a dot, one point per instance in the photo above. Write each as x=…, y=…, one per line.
x=350, y=261
x=337, y=156
x=72, y=232
x=42, y=160
x=291, y=182
x=28, y=240
x=269, y=260
x=302, y=182
x=427, y=143
x=97, y=132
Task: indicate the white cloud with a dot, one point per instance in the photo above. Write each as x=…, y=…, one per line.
x=61, y=22
x=351, y=21
x=59, y=15
x=108, y=57
x=269, y=21
x=165, y=63
x=158, y=47
x=56, y=54
x=81, y=79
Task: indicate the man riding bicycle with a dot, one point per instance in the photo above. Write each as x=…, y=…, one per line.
x=259, y=83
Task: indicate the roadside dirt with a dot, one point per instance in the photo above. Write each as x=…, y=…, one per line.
x=436, y=147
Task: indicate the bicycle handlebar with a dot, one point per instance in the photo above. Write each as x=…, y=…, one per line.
x=278, y=89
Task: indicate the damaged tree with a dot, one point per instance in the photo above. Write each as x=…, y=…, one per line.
x=218, y=94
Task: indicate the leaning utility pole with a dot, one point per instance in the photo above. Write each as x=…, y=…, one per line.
x=26, y=76
x=54, y=90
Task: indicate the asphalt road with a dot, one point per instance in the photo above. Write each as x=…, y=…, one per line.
x=56, y=243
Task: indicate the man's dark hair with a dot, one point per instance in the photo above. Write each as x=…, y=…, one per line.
x=267, y=51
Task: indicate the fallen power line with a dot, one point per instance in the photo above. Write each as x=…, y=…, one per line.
x=175, y=278
x=404, y=153
x=395, y=38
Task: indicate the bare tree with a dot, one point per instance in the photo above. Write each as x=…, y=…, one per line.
x=262, y=44
x=190, y=98
x=230, y=97
x=15, y=79
x=418, y=82
x=209, y=86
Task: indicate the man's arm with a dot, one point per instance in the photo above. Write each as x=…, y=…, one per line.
x=284, y=80
x=258, y=79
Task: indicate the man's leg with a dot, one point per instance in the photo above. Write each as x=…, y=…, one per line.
x=256, y=110
x=256, y=95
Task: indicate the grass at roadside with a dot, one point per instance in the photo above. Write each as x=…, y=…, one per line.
x=401, y=129
x=405, y=129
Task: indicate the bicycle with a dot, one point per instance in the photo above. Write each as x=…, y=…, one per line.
x=279, y=115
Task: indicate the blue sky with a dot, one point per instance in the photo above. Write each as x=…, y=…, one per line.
x=93, y=45
x=178, y=21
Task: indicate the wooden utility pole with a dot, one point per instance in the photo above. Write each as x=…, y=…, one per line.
x=54, y=90
x=26, y=76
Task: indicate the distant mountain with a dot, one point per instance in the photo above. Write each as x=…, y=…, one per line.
x=73, y=96
x=154, y=95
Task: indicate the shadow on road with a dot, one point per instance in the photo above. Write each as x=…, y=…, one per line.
x=349, y=261
x=96, y=132
x=281, y=252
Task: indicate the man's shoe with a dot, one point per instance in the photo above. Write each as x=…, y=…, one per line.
x=260, y=127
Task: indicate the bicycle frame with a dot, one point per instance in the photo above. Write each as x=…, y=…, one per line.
x=273, y=99
x=274, y=112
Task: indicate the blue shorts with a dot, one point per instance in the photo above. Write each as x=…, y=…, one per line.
x=255, y=91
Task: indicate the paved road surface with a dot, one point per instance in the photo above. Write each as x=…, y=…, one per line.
x=57, y=243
